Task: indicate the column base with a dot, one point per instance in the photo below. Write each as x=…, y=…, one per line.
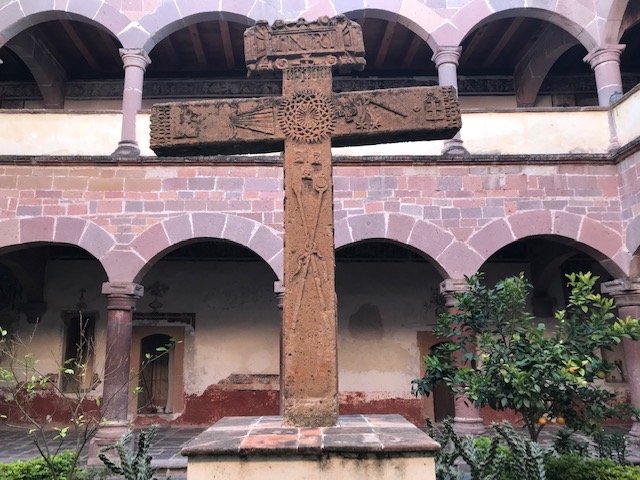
x=127, y=148
x=107, y=434
x=469, y=426
x=454, y=147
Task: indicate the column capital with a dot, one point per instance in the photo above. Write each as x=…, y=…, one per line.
x=135, y=57
x=604, y=53
x=625, y=291
x=122, y=295
x=451, y=286
x=447, y=54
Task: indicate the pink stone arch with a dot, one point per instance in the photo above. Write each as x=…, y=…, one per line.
x=579, y=19
x=19, y=15
x=167, y=19
x=64, y=230
x=171, y=233
x=413, y=14
x=427, y=238
x=601, y=242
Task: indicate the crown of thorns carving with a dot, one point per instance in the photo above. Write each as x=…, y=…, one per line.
x=306, y=116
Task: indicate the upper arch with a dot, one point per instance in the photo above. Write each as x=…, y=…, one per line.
x=16, y=17
x=167, y=19
x=576, y=21
x=422, y=23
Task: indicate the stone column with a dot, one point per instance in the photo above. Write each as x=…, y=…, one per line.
x=135, y=62
x=626, y=293
x=446, y=60
x=467, y=420
x=121, y=302
x=605, y=62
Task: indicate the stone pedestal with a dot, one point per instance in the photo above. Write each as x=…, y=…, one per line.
x=367, y=447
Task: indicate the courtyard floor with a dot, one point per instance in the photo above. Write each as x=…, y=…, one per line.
x=15, y=444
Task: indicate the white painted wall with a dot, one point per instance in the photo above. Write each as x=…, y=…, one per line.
x=515, y=132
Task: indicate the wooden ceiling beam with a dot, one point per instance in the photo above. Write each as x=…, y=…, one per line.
x=473, y=45
x=383, y=50
x=79, y=44
x=506, y=37
x=227, y=46
x=170, y=51
x=197, y=45
x=108, y=40
x=407, y=61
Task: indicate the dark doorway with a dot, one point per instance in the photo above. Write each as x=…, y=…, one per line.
x=154, y=377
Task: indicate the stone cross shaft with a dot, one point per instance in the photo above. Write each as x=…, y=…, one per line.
x=306, y=121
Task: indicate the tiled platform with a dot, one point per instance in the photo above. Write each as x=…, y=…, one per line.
x=267, y=435
x=359, y=447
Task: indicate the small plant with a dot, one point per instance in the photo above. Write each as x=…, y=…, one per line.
x=38, y=469
x=564, y=444
x=134, y=465
x=612, y=446
x=488, y=458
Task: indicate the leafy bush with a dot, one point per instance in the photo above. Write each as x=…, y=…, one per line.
x=575, y=467
x=37, y=468
x=497, y=356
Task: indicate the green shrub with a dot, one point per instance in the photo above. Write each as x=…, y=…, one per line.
x=36, y=469
x=575, y=467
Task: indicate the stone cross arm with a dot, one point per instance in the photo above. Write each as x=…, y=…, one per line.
x=259, y=125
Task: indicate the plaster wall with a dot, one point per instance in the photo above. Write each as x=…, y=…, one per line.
x=625, y=115
x=510, y=132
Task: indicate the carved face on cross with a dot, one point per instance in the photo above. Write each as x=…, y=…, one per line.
x=305, y=121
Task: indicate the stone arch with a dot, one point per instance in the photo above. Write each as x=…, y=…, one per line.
x=65, y=230
x=617, y=22
x=18, y=16
x=478, y=12
x=602, y=243
x=414, y=15
x=29, y=232
x=167, y=19
x=424, y=237
x=171, y=233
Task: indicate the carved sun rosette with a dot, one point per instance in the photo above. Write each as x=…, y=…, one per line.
x=306, y=116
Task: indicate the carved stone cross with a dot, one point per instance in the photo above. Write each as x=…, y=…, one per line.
x=306, y=120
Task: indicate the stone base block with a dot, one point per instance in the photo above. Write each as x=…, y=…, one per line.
x=359, y=447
